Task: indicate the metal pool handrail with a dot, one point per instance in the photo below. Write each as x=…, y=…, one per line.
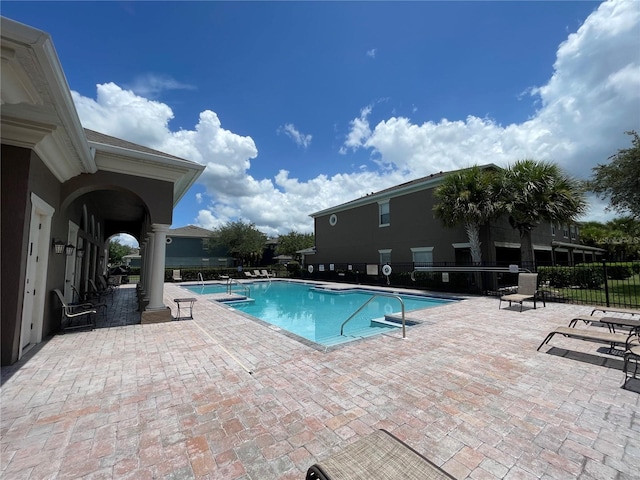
x=230, y=281
x=404, y=335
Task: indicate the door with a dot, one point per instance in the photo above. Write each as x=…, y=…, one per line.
x=35, y=274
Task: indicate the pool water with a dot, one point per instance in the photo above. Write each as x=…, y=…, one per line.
x=317, y=314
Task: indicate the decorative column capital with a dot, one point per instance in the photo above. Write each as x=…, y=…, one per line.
x=160, y=227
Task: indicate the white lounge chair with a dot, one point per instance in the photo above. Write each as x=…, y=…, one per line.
x=176, y=276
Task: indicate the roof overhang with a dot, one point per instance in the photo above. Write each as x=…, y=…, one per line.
x=577, y=246
x=37, y=108
x=417, y=185
x=182, y=173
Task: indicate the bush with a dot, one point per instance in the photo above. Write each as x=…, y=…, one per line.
x=582, y=276
x=619, y=271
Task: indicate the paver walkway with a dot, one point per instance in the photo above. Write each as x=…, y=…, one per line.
x=176, y=400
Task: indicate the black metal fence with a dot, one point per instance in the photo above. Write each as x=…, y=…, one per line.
x=611, y=284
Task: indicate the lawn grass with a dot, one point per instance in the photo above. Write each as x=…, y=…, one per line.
x=621, y=293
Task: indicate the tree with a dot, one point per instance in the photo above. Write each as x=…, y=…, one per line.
x=290, y=243
x=531, y=192
x=466, y=197
x=242, y=240
x=117, y=251
x=620, y=237
x=620, y=179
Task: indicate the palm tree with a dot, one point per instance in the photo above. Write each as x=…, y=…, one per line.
x=532, y=192
x=466, y=197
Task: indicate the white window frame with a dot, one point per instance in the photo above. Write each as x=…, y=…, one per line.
x=385, y=255
x=381, y=204
x=422, y=250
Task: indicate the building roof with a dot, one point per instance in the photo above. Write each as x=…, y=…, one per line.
x=419, y=184
x=190, y=231
x=101, y=138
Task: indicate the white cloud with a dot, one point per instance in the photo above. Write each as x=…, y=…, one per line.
x=588, y=103
x=592, y=97
x=152, y=85
x=372, y=53
x=299, y=138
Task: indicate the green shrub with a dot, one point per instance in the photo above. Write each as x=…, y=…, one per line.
x=619, y=271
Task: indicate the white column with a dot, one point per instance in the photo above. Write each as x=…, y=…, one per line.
x=148, y=269
x=144, y=261
x=156, y=282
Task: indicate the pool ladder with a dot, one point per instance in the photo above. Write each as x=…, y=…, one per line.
x=231, y=281
x=388, y=295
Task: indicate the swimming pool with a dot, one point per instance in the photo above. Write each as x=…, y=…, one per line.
x=317, y=314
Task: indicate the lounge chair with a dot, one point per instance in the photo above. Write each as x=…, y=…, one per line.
x=266, y=274
x=176, y=276
x=256, y=273
x=592, y=335
x=527, y=291
x=379, y=455
x=71, y=313
x=249, y=274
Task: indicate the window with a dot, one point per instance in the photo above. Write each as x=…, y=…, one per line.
x=205, y=244
x=385, y=256
x=573, y=231
x=553, y=229
x=422, y=256
x=385, y=216
x=565, y=231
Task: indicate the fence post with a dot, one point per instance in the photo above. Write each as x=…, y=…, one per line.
x=606, y=283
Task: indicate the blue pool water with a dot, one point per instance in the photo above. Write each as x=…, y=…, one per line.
x=317, y=314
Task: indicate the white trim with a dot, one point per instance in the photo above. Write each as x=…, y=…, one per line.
x=506, y=244
x=461, y=245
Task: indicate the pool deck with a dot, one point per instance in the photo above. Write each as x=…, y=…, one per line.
x=224, y=397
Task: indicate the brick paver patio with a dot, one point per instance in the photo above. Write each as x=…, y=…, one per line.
x=176, y=400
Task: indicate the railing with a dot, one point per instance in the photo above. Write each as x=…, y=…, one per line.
x=201, y=278
x=231, y=281
x=600, y=283
x=404, y=334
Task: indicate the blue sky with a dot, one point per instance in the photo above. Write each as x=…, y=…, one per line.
x=298, y=106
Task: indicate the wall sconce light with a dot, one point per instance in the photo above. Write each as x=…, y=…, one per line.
x=69, y=249
x=58, y=246
x=80, y=252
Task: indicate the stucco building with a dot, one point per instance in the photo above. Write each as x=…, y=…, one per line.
x=65, y=191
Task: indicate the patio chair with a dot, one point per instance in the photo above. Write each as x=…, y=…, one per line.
x=76, y=312
x=96, y=292
x=176, y=276
x=249, y=275
x=266, y=274
x=379, y=455
x=95, y=305
x=527, y=291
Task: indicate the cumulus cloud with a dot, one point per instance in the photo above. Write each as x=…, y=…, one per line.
x=300, y=139
x=372, y=53
x=591, y=98
x=587, y=104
